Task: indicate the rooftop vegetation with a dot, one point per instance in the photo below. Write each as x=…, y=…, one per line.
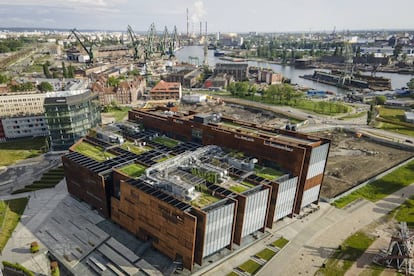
x=133, y=170
x=204, y=198
x=267, y=173
x=266, y=254
x=168, y=142
x=135, y=149
x=382, y=187
x=95, y=152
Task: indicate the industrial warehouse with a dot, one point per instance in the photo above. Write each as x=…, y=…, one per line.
x=195, y=183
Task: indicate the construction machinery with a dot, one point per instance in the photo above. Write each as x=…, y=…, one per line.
x=86, y=44
x=134, y=41
x=149, y=47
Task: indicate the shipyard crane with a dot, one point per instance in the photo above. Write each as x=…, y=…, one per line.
x=348, y=71
x=164, y=43
x=174, y=42
x=149, y=47
x=88, y=49
x=135, y=42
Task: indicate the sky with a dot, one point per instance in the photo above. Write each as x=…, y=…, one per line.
x=222, y=16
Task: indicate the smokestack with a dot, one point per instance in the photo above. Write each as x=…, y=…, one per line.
x=206, y=29
x=201, y=29
x=188, y=23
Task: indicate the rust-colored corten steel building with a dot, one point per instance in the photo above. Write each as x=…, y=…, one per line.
x=301, y=154
x=196, y=197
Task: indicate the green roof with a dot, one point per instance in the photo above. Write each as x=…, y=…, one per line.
x=133, y=148
x=133, y=170
x=95, y=152
x=268, y=173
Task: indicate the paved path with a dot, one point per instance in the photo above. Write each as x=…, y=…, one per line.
x=308, y=249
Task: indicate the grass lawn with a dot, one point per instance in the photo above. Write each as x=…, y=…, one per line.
x=135, y=149
x=406, y=212
x=382, y=187
x=133, y=170
x=168, y=142
x=118, y=112
x=351, y=249
x=250, y=266
x=281, y=242
x=396, y=128
x=163, y=158
x=392, y=114
x=10, y=213
x=15, y=150
x=232, y=274
x=93, y=151
x=353, y=116
x=267, y=173
x=372, y=270
x=266, y=254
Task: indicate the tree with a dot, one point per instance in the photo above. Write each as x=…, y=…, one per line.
x=397, y=51
x=410, y=84
x=380, y=100
x=64, y=70
x=113, y=81
x=46, y=71
x=4, y=79
x=71, y=71
x=45, y=86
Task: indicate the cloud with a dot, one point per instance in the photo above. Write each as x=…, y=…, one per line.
x=198, y=11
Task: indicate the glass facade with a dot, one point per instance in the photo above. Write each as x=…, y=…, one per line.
x=70, y=117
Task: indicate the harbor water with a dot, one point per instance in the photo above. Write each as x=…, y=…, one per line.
x=193, y=54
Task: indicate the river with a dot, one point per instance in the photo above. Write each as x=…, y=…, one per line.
x=397, y=80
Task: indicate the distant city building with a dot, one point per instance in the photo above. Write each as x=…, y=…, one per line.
x=269, y=77
x=188, y=78
x=218, y=81
x=166, y=91
x=21, y=103
x=237, y=70
x=409, y=117
x=69, y=115
x=127, y=92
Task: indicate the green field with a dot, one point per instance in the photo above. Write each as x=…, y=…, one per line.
x=250, y=266
x=168, y=142
x=118, y=112
x=406, y=212
x=266, y=254
x=382, y=187
x=343, y=258
x=10, y=213
x=396, y=128
x=392, y=114
x=15, y=150
x=92, y=151
x=133, y=170
x=281, y=242
x=353, y=116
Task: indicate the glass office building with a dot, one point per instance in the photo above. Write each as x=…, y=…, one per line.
x=69, y=115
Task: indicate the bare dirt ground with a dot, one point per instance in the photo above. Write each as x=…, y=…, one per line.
x=353, y=160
